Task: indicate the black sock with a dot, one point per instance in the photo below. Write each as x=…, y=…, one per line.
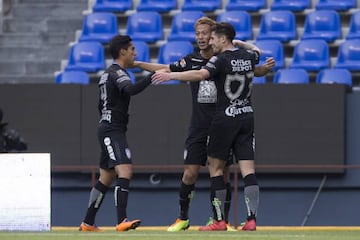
x=186, y=194
x=96, y=198
x=227, y=202
x=217, y=195
x=121, y=197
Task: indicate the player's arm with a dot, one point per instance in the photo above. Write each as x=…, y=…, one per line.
x=151, y=67
x=265, y=68
x=191, y=75
x=246, y=45
x=133, y=89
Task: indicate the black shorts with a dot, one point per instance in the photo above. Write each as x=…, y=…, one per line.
x=234, y=135
x=195, y=152
x=195, y=147
x=114, y=148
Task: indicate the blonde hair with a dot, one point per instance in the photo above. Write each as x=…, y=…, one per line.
x=205, y=20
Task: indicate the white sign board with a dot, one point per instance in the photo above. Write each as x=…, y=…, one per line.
x=25, y=198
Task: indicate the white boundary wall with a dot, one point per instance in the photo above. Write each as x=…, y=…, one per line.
x=25, y=192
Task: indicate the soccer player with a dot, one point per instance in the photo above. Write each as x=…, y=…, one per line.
x=115, y=90
x=232, y=127
x=203, y=108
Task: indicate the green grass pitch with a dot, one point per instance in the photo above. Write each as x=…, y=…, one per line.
x=143, y=233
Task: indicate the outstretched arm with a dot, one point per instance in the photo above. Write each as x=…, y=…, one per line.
x=191, y=75
x=151, y=67
x=265, y=68
x=246, y=45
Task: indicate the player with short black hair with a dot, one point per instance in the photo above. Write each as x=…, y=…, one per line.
x=115, y=90
x=232, y=127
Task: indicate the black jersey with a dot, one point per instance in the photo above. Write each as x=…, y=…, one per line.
x=115, y=89
x=233, y=71
x=203, y=93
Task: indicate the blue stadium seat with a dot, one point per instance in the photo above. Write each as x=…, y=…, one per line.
x=291, y=76
x=349, y=55
x=201, y=5
x=323, y=24
x=246, y=5
x=291, y=5
x=280, y=25
x=99, y=26
x=259, y=80
x=334, y=75
x=86, y=56
x=112, y=5
x=142, y=54
x=241, y=20
x=145, y=26
x=182, y=26
x=173, y=51
x=157, y=5
x=271, y=48
x=78, y=77
x=311, y=55
x=337, y=5
x=354, y=26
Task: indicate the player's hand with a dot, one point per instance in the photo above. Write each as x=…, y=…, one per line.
x=160, y=77
x=269, y=63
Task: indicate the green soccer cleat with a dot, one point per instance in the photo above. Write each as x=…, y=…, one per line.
x=179, y=225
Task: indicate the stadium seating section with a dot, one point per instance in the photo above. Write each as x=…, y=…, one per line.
x=320, y=38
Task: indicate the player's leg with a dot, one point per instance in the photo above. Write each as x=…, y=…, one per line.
x=120, y=156
x=195, y=156
x=244, y=153
x=217, y=195
x=251, y=193
x=96, y=198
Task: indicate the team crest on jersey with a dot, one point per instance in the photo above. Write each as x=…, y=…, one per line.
x=182, y=63
x=207, y=92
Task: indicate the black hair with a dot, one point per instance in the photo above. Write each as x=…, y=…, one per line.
x=117, y=43
x=224, y=28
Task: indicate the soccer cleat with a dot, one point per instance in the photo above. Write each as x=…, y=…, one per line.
x=126, y=225
x=250, y=225
x=215, y=226
x=179, y=225
x=210, y=221
x=88, y=228
x=230, y=228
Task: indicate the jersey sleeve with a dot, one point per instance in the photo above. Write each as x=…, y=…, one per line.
x=131, y=89
x=181, y=65
x=213, y=66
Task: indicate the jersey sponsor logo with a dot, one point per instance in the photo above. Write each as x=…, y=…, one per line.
x=109, y=148
x=207, y=92
x=237, y=107
x=240, y=65
x=233, y=111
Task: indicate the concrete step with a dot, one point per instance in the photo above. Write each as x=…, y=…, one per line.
x=53, y=1
x=36, y=39
x=65, y=25
x=38, y=78
x=34, y=53
x=41, y=11
x=29, y=67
